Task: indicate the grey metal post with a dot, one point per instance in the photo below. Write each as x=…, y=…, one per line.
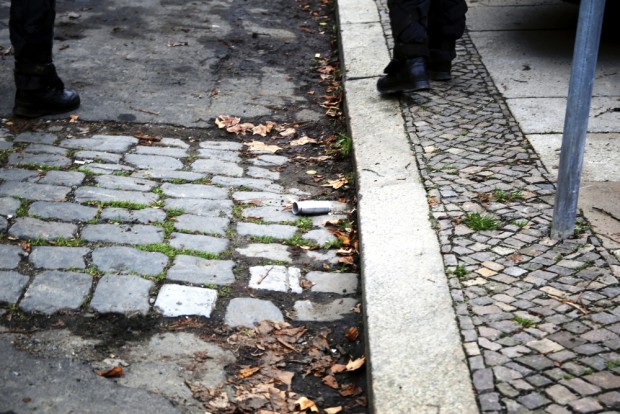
x=576, y=120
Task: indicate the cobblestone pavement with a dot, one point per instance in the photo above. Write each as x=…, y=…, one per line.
x=539, y=319
x=112, y=225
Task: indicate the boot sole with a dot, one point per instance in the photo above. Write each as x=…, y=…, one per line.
x=23, y=111
x=415, y=87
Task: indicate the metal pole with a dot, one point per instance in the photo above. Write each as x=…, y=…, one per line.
x=576, y=119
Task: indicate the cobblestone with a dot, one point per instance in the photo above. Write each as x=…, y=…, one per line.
x=12, y=285
x=32, y=229
x=119, y=259
x=122, y=294
x=48, y=257
x=52, y=291
x=177, y=300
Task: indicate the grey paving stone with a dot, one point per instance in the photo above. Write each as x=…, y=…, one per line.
x=560, y=394
x=58, y=257
x=50, y=160
x=168, y=175
x=4, y=224
x=199, y=243
x=11, y=255
x=98, y=156
x=165, y=151
x=53, y=290
x=98, y=168
x=341, y=283
x=277, y=231
x=36, y=138
x=580, y=386
x=217, y=167
x=63, y=178
x=86, y=194
x=125, y=234
x=144, y=216
x=269, y=160
x=153, y=161
x=119, y=259
x=116, y=182
x=12, y=285
x=221, y=145
x=194, y=191
x=106, y=143
x=32, y=228
x=483, y=380
x=31, y=191
x=5, y=145
x=177, y=300
x=605, y=380
x=275, y=278
x=174, y=142
x=320, y=236
x=249, y=312
x=62, y=211
x=202, y=224
x=266, y=251
x=199, y=271
x=253, y=183
x=257, y=172
x=44, y=149
x=317, y=256
x=533, y=400
x=17, y=174
x=586, y=405
x=269, y=214
x=261, y=198
x=219, y=154
x=201, y=207
x=122, y=294
x=306, y=310
x=9, y=206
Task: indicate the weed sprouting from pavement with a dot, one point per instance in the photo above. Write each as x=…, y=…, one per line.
x=480, y=222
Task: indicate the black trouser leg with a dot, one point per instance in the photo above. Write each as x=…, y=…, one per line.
x=409, y=23
x=446, y=25
x=31, y=27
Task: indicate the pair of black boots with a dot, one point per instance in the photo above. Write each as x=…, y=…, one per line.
x=41, y=92
x=411, y=75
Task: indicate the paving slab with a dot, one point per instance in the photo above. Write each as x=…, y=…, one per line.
x=52, y=291
x=122, y=294
x=119, y=259
x=177, y=300
x=249, y=312
x=199, y=271
x=12, y=286
x=56, y=257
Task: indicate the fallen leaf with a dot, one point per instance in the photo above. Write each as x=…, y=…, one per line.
x=260, y=146
x=248, y=372
x=349, y=390
x=225, y=121
x=304, y=403
x=263, y=130
x=240, y=129
x=115, y=372
x=288, y=132
x=352, y=334
x=306, y=284
x=338, y=368
x=176, y=44
x=73, y=118
x=311, y=172
x=336, y=184
x=356, y=364
x=331, y=382
x=333, y=410
x=25, y=246
x=303, y=141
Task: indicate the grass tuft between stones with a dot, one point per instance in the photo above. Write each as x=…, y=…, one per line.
x=481, y=222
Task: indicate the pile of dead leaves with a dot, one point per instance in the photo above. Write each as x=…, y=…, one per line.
x=284, y=359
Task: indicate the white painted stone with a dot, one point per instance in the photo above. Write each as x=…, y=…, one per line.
x=178, y=300
x=277, y=278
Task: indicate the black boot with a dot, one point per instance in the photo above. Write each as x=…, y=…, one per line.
x=41, y=92
x=404, y=76
x=440, y=71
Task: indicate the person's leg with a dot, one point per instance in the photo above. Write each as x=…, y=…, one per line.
x=446, y=25
x=408, y=69
x=39, y=89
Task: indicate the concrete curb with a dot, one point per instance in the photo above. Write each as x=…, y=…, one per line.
x=416, y=360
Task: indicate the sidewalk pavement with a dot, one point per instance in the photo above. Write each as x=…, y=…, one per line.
x=538, y=320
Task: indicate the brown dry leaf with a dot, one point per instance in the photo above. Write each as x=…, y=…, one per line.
x=333, y=410
x=248, y=372
x=303, y=141
x=148, y=138
x=349, y=390
x=288, y=132
x=433, y=201
x=304, y=403
x=73, y=118
x=261, y=146
x=115, y=372
x=357, y=308
x=347, y=260
x=337, y=183
x=225, y=121
x=331, y=382
x=515, y=257
x=285, y=377
x=356, y=364
x=338, y=368
x=352, y=334
x=25, y=246
x=240, y=129
x=263, y=130
x=306, y=284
